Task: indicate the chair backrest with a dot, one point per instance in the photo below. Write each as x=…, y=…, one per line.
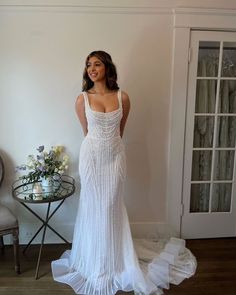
x=2, y=170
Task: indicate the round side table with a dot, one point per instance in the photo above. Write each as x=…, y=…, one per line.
x=24, y=193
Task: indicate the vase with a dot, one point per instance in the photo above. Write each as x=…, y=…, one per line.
x=47, y=185
x=37, y=191
x=56, y=181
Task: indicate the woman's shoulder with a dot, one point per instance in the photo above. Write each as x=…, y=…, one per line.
x=124, y=96
x=80, y=99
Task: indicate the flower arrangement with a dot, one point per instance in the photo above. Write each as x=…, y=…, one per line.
x=45, y=164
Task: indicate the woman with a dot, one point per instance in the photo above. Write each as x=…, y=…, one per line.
x=103, y=260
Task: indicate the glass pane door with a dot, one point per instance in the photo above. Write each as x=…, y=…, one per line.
x=213, y=152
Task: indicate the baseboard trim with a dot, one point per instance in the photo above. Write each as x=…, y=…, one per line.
x=140, y=230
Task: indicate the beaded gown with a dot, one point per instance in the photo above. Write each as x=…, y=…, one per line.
x=104, y=258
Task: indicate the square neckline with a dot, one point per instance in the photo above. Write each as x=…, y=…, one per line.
x=119, y=103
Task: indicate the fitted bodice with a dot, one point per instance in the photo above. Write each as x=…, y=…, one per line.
x=103, y=125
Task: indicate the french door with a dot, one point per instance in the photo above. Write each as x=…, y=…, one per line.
x=209, y=190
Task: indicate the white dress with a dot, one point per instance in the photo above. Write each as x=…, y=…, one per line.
x=103, y=258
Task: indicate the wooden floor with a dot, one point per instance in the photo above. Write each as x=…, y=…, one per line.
x=216, y=273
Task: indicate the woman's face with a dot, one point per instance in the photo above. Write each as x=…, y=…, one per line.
x=96, y=69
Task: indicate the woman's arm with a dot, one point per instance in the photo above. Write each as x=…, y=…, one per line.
x=126, y=109
x=80, y=110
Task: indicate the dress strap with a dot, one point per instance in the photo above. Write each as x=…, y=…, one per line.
x=120, y=98
x=86, y=103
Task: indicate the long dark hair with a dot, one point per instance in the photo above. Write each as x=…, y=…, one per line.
x=110, y=71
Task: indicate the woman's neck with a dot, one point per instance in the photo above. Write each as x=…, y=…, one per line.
x=100, y=88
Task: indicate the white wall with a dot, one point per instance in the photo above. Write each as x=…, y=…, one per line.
x=42, y=55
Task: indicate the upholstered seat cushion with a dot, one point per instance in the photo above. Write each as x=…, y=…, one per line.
x=7, y=219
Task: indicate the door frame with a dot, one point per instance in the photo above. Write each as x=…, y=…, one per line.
x=185, y=20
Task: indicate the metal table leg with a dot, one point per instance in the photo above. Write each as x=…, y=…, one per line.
x=44, y=227
x=42, y=242
x=44, y=222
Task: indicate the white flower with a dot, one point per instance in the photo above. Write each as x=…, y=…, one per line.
x=65, y=158
x=45, y=163
x=58, y=149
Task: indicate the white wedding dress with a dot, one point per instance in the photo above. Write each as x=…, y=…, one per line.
x=103, y=258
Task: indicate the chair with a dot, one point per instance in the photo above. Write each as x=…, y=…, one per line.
x=9, y=225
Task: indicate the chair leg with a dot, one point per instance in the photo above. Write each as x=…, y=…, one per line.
x=2, y=244
x=16, y=250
